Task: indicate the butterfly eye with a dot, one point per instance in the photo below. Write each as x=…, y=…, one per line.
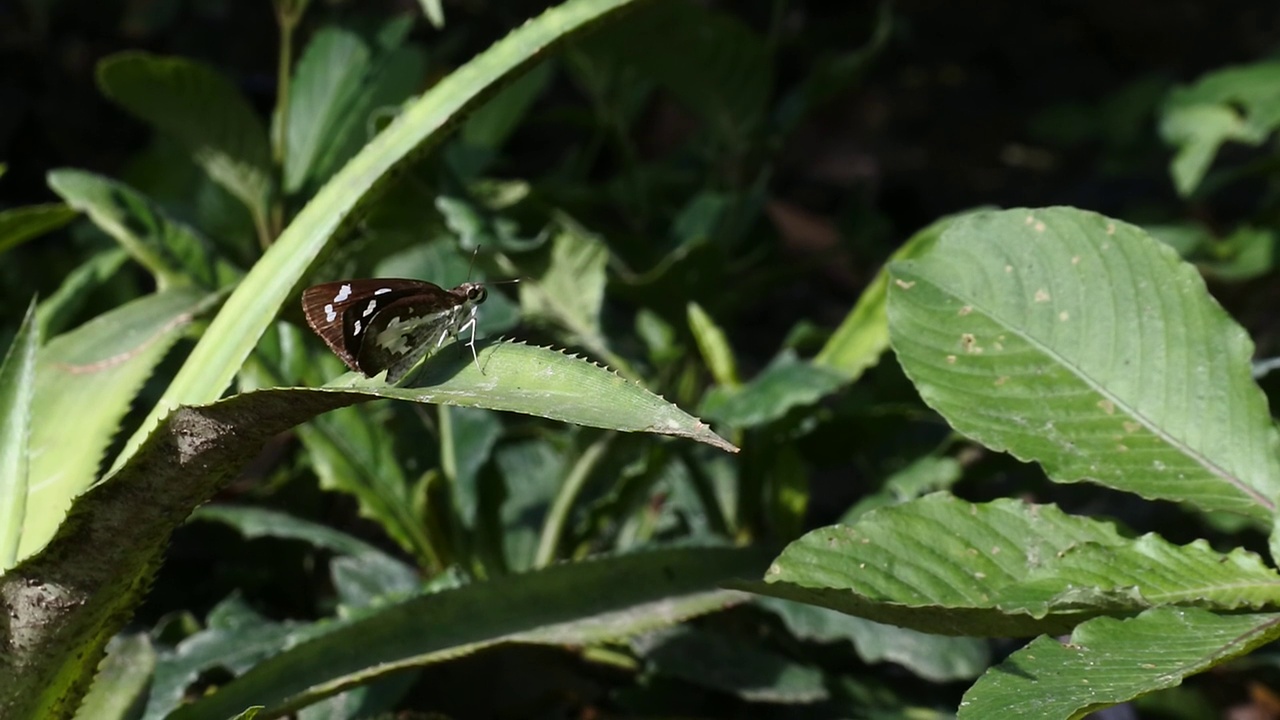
x=477, y=294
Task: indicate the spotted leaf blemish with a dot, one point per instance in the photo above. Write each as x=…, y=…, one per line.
x=1107, y=406
x=904, y=284
x=965, y=310
x=970, y=343
x=1064, y=316
x=1042, y=296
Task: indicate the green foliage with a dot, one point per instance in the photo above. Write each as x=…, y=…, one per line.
x=375, y=541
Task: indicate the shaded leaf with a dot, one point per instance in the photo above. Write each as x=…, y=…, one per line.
x=786, y=384
x=327, y=76
x=569, y=292
x=57, y=311
x=235, y=639
x=256, y=522
x=863, y=336
x=715, y=348
x=20, y=224
x=1238, y=104
x=577, y=603
x=936, y=658
x=732, y=665
x=172, y=251
x=202, y=109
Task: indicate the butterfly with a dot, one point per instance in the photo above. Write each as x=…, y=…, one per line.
x=388, y=323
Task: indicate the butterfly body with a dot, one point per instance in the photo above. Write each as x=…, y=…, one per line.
x=390, y=323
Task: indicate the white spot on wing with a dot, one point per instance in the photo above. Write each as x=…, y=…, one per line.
x=329, y=314
x=344, y=292
x=382, y=291
x=368, y=310
x=356, y=329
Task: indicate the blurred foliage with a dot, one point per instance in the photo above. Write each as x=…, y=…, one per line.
x=703, y=198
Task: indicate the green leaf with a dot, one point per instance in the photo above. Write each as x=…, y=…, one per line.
x=576, y=604
x=732, y=665
x=469, y=435
x=532, y=471
x=122, y=680
x=1005, y=568
x=786, y=384
x=433, y=10
x=863, y=336
x=394, y=77
x=327, y=77
x=1240, y=104
x=20, y=224
x=493, y=123
x=109, y=545
x=204, y=111
x=235, y=639
x=713, y=345
x=923, y=476
x=1110, y=661
x=1081, y=343
x=86, y=380
x=540, y=382
x=256, y=522
x=172, y=251
x=936, y=658
x=352, y=453
x=17, y=393
x=58, y=310
x=712, y=62
x=258, y=298
x=569, y=292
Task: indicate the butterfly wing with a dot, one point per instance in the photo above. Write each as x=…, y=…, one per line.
x=341, y=312
x=405, y=331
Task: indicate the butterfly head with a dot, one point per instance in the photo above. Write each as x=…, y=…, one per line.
x=473, y=292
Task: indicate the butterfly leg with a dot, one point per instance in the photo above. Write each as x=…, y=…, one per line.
x=471, y=323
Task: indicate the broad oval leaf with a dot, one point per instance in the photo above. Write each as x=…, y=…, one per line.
x=204, y=111
x=1006, y=569
x=1079, y=342
x=1109, y=661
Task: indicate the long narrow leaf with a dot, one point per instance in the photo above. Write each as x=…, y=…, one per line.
x=422, y=126
x=17, y=389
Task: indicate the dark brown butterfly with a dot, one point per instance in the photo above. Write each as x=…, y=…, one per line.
x=388, y=323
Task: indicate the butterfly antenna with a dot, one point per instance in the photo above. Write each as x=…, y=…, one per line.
x=472, y=266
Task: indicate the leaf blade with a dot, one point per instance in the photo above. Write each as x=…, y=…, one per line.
x=1081, y=343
